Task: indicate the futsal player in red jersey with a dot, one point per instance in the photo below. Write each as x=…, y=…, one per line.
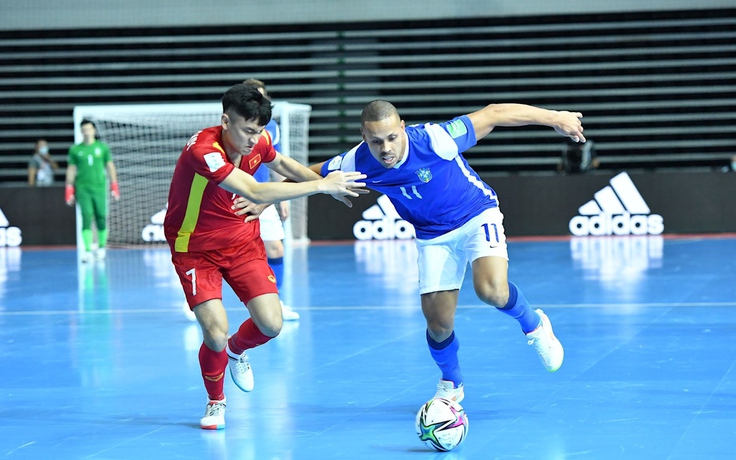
x=209, y=242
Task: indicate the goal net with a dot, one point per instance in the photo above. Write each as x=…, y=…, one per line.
x=146, y=141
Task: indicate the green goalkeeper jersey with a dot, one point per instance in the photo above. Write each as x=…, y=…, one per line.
x=90, y=161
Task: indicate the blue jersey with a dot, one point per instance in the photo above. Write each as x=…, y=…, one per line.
x=262, y=174
x=432, y=187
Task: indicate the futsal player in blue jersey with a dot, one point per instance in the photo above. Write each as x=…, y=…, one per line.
x=456, y=217
x=272, y=227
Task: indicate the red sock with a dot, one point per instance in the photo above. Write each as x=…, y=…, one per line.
x=248, y=336
x=213, y=365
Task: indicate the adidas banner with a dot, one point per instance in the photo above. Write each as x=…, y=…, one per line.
x=598, y=203
x=35, y=216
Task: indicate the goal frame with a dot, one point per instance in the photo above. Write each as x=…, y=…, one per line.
x=293, y=142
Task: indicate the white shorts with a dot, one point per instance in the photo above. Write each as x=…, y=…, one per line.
x=272, y=229
x=444, y=259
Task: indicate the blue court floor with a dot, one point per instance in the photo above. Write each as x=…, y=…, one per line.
x=99, y=362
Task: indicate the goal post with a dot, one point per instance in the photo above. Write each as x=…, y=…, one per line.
x=146, y=140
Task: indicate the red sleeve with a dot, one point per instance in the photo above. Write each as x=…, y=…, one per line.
x=208, y=159
x=269, y=153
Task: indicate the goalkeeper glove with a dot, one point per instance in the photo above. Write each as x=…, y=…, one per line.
x=69, y=194
x=114, y=190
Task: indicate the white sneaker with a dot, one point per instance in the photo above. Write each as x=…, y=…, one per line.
x=446, y=390
x=288, y=314
x=214, y=416
x=549, y=348
x=86, y=257
x=240, y=370
x=100, y=254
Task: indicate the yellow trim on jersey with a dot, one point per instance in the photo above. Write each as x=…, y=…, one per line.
x=217, y=146
x=191, y=216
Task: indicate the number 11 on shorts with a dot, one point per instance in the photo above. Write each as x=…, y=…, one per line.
x=486, y=228
x=193, y=274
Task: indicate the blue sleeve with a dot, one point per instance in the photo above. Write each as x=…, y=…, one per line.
x=462, y=132
x=335, y=164
x=343, y=162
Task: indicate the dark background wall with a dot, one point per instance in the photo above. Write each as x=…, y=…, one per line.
x=689, y=202
x=656, y=82
x=657, y=86
x=39, y=215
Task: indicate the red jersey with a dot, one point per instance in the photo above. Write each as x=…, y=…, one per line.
x=199, y=216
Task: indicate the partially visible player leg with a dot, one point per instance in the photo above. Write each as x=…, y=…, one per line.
x=252, y=281
x=275, y=252
x=86, y=209
x=493, y=288
x=489, y=255
x=201, y=282
x=439, y=311
x=100, y=205
x=272, y=234
x=213, y=360
x=439, y=291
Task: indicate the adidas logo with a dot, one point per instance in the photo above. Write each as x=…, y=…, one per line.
x=382, y=222
x=617, y=209
x=9, y=236
x=155, y=230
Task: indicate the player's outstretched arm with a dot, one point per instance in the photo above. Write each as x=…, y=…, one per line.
x=292, y=169
x=317, y=168
x=338, y=184
x=565, y=123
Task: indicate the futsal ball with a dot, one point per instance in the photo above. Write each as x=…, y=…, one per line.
x=441, y=424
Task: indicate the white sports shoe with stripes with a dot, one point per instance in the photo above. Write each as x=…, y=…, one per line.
x=240, y=370
x=446, y=390
x=544, y=341
x=214, y=416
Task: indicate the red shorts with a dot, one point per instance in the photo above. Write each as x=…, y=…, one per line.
x=244, y=267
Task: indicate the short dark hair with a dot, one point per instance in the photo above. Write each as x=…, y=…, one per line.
x=247, y=102
x=87, y=121
x=377, y=110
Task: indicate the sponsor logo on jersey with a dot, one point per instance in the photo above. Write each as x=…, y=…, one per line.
x=425, y=175
x=335, y=163
x=617, y=209
x=382, y=222
x=214, y=161
x=9, y=236
x=457, y=128
x=155, y=230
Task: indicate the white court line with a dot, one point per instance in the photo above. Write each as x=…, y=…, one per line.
x=376, y=307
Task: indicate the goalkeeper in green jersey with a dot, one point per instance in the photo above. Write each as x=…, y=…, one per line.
x=86, y=183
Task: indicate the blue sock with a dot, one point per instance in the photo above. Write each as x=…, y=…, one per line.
x=445, y=355
x=277, y=265
x=519, y=309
